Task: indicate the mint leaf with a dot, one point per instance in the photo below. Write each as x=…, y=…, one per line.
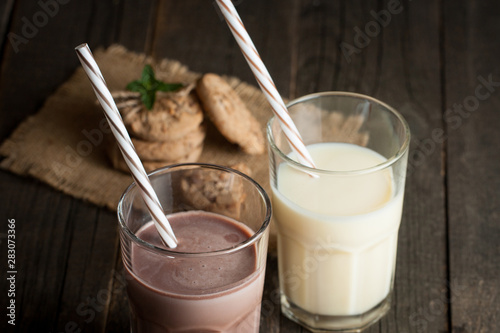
x=135, y=86
x=148, y=99
x=148, y=85
x=162, y=86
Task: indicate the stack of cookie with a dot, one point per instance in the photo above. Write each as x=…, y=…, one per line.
x=172, y=132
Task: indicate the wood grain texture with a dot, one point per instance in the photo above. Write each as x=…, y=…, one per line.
x=473, y=164
x=196, y=32
x=6, y=13
x=426, y=60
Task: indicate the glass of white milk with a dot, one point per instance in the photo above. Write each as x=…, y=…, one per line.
x=338, y=223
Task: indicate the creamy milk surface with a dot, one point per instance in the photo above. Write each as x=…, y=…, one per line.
x=337, y=235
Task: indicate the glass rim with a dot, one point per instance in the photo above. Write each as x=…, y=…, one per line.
x=258, y=234
x=384, y=165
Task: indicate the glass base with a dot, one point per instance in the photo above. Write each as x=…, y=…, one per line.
x=321, y=323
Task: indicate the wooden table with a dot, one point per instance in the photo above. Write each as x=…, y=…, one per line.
x=437, y=62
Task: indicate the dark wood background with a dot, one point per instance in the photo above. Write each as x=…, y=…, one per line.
x=435, y=61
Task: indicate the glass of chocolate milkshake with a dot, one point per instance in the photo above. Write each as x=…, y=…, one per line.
x=213, y=280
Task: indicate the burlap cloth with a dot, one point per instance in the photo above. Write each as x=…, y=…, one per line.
x=63, y=144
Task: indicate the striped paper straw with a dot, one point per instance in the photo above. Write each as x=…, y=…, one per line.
x=265, y=81
x=125, y=144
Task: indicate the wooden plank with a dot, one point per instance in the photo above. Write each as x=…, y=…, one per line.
x=118, y=319
x=273, y=26
x=58, y=268
x=24, y=191
x=87, y=289
x=192, y=33
x=136, y=25
x=6, y=13
x=270, y=308
x=195, y=33
x=41, y=253
x=472, y=104
x=392, y=63
x=316, y=53
x=44, y=56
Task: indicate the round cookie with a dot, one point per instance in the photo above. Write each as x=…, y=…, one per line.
x=172, y=117
x=169, y=150
x=213, y=192
x=229, y=114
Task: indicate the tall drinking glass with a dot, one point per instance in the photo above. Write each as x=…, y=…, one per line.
x=213, y=280
x=338, y=224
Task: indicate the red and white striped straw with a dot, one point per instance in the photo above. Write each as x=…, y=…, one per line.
x=265, y=81
x=125, y=144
